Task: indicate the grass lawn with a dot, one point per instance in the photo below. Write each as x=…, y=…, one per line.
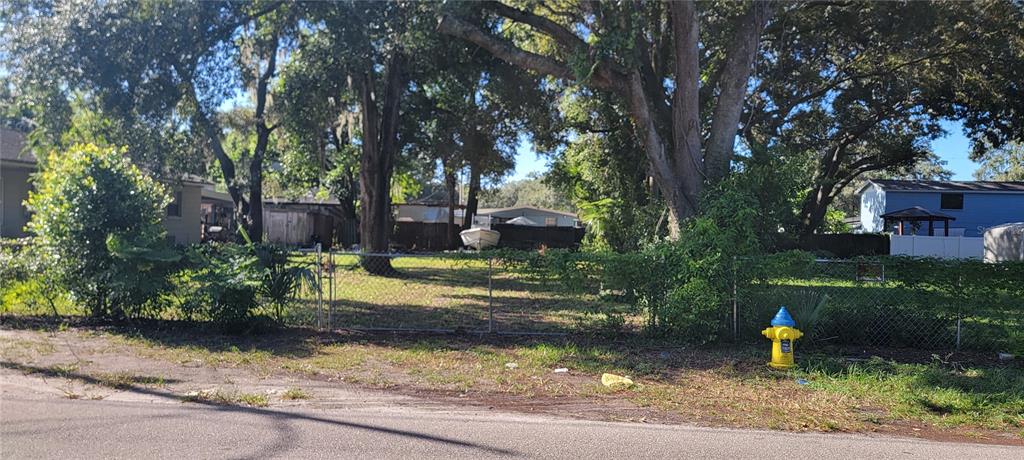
x=971, y=397
x=832, y=390
x=443, y=293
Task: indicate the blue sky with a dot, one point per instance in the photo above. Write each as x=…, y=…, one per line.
x=953, y=148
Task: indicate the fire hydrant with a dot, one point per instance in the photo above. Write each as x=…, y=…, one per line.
x=782, y=334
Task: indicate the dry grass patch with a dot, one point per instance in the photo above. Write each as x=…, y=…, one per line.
x=293, y=394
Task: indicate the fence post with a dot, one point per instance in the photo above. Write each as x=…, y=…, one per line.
x=490, y=295
x=330, y=292
x=320, y=289
x=735, y=303
x=959, y=304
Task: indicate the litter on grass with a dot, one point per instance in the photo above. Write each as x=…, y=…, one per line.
x=617, y=381
x=561, y=370
x=511, y=365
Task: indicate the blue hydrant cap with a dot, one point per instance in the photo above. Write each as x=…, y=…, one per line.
x=782, y=318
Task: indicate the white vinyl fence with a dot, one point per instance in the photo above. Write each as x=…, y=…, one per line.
x=945, y=247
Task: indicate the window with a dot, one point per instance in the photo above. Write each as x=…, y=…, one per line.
x=174, y=209
x=551, y=221
x=952, y=201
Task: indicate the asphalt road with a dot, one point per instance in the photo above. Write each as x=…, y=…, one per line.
x=63, y=428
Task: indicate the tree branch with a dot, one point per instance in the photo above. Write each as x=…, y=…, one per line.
x=450, y=25
x=550, y=28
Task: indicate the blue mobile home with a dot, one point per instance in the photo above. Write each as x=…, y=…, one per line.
x=975, y=206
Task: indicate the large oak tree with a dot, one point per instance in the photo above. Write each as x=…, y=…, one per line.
x=683, y=85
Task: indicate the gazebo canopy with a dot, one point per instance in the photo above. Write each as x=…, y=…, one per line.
x=919, y=214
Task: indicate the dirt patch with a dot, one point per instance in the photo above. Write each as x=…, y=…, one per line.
x=717, y=388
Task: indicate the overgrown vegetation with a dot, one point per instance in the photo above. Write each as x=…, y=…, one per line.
x=96, y=218
x=101, y=247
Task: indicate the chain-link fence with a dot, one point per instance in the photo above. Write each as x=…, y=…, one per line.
x=888, y=302
x=432, y=292
x=921, y=304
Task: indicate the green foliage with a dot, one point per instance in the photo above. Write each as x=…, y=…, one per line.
x=25, y=285
x=1002, y=164
x=887, y=301
x=600, y=171
x=220, y=283
x=227, y=283
x=534, y=190
x=681, y=287
x=280, y=278
x=97, y=219
x=835, y=222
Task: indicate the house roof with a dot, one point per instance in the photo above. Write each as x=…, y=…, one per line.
x=945, y=186
x=308, y=198
x=12, y=149
x=436, y=204
x=11, y=145
x=484, y=211
x=437, y=197
x=917, y=213
x=211, y=194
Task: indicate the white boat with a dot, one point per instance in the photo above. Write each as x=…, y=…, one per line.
x=480, y=238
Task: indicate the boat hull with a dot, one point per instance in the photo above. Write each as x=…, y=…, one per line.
x=479, y=238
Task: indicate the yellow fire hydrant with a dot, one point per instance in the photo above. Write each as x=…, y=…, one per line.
x=782, y=334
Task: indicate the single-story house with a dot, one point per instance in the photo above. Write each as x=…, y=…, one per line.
x=16, y=167
x=182, y=217
x=422, y=226
x=15, y=182
x=217, y=209
x=529, y=215
x=426, y=212
x=967, y=207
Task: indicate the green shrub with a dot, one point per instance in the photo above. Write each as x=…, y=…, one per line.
x=220, y=283
x=97, y=221
x=680, y=287
x=227, y=283
x=279, y=278
x=15, y=265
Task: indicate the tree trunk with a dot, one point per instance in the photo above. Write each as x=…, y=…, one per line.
x=812, y=213
x=211, y=133
x=677, y=165
x=679, y=187
x=472, y=196
x=451, y=232
x=733, y=90
x=380, y=141
x=255, y=214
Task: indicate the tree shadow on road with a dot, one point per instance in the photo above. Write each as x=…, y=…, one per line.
x=282, y=416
